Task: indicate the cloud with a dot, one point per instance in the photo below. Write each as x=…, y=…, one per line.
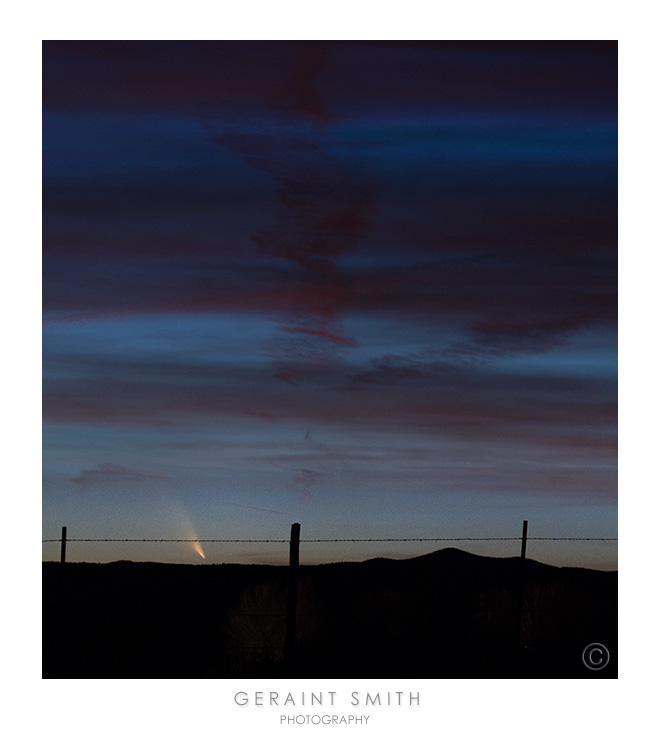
x=323, y=210
x=305, y=479
x=471, y=240
x=257, y=509
x=110, y=473
x=423, y=393
x=302, y=76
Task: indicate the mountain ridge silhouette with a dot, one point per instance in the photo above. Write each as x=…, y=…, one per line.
x=448, y=613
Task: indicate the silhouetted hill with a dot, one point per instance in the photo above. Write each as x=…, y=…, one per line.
x=444, y=614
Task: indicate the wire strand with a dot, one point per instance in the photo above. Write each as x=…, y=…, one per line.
x=313, y=540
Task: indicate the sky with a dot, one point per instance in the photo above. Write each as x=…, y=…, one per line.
x=365, y=286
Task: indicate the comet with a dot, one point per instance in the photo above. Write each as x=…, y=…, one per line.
x=198, y=548
x=188, y=531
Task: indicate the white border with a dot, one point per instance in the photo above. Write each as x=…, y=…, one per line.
x=165, y=710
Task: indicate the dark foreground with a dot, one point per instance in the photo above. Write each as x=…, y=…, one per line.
x=448, y=614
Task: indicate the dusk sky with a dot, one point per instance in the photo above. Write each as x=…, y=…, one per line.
x=365, y=286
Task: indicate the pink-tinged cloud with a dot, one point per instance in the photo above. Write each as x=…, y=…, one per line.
x=112, y=473
x=436, y=398
x=305, y=479
x=323, y=210
x=322, y=333
x=257, y=509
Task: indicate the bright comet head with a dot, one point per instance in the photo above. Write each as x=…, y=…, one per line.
x=199, y=549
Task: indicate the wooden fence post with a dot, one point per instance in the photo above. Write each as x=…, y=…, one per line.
x=521, y=582
x=291, y=606
x=62, y=557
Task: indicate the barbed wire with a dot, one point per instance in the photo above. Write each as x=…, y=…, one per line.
x=311, y=540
